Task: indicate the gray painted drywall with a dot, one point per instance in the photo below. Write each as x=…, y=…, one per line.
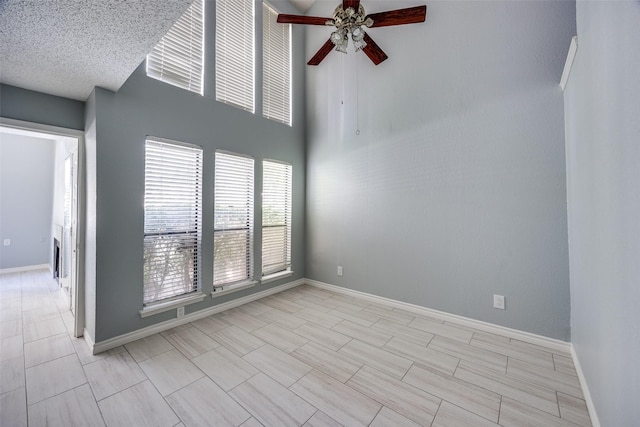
x=26, y=200
x=454, y=190
x=27, y=105
x=115, y=178
x=602, y=107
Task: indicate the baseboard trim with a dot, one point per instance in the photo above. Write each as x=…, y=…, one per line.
x=528, y=337
x=99, y=347
x=595, y=422
x=88, y=339
x=25, y=268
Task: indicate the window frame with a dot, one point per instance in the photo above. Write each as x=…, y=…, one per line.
x=164, y=186
x=278, y=195
x=272, y=87
x=248, y=193
x=227, y=77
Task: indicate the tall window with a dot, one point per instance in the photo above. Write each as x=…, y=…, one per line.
x=233, y=216
x=276, y=68
x=172, y=219
x=235, y=53
x=178, y=58
x=276, y=217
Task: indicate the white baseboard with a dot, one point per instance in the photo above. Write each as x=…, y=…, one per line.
x=25, y=268
x=585, y=389
x=98, y=347
x=550, y=343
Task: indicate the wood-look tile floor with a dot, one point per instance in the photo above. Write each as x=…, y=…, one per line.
x=305, y=356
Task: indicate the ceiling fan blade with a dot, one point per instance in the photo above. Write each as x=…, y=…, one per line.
x=322, y=53
x=411, y=15
x=350, y=3
x=373, y=51
x=300, y=19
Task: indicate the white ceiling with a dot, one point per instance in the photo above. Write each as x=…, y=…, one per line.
x=66, y=47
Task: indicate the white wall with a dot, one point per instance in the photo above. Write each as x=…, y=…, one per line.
x=26, y=200
x=602, y=108
x=455, y=187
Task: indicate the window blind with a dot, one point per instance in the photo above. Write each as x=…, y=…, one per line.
x=172, y=219
x=276, y=217
x=235, y=53
x=178, y=58
x=233, y=219
x=276, y=68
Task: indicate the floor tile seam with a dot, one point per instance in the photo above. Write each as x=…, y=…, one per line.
x=146, y=378
x=404, y=383
x=479, y=415
x=518, y=400
x=483, y=363
x=508, y=355
x=50, y=360
x=510, y=377
x=66, y=391
x=578, y=389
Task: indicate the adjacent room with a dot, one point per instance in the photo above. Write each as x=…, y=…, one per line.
x=319, y=213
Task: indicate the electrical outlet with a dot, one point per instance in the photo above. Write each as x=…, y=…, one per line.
x=339, y=270
x=498, y=302
x=7, y=242
x=180, y=311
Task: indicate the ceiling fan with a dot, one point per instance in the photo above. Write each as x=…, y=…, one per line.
x=349, y=18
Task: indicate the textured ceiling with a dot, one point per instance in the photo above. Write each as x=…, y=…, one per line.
x=66, y=47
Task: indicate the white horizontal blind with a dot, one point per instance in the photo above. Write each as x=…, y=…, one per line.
x=276, y=217
x=233, y=217
x=276, y=67
x=178, y=58
x=172, y=219
x=235, y=53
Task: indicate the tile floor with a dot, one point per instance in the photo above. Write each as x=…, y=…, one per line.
x=305, y=356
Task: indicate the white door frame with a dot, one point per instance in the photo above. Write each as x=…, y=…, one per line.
x=78, y=294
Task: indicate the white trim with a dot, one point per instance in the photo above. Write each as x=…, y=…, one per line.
x=571, y=55
x=595, y=422
x=168, y=324
x=25, y=268
x=170, y=305
x=550, y=343
x=88, y=339
x=228, y=289
x=276, y=276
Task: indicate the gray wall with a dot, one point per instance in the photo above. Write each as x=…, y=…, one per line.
x=26, y=200
x=22, y=104
x=454, y=190
x=115, y=179
x=602, y=108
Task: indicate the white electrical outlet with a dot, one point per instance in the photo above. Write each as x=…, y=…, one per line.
x=498, y=302
x=339, y=270
x=7, y=242
x=180, y=311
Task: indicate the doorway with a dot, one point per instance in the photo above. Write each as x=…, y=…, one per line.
x=64, y=238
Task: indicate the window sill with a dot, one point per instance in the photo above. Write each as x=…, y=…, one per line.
x=223, y=290
x=276, y=276
x=170, y=305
